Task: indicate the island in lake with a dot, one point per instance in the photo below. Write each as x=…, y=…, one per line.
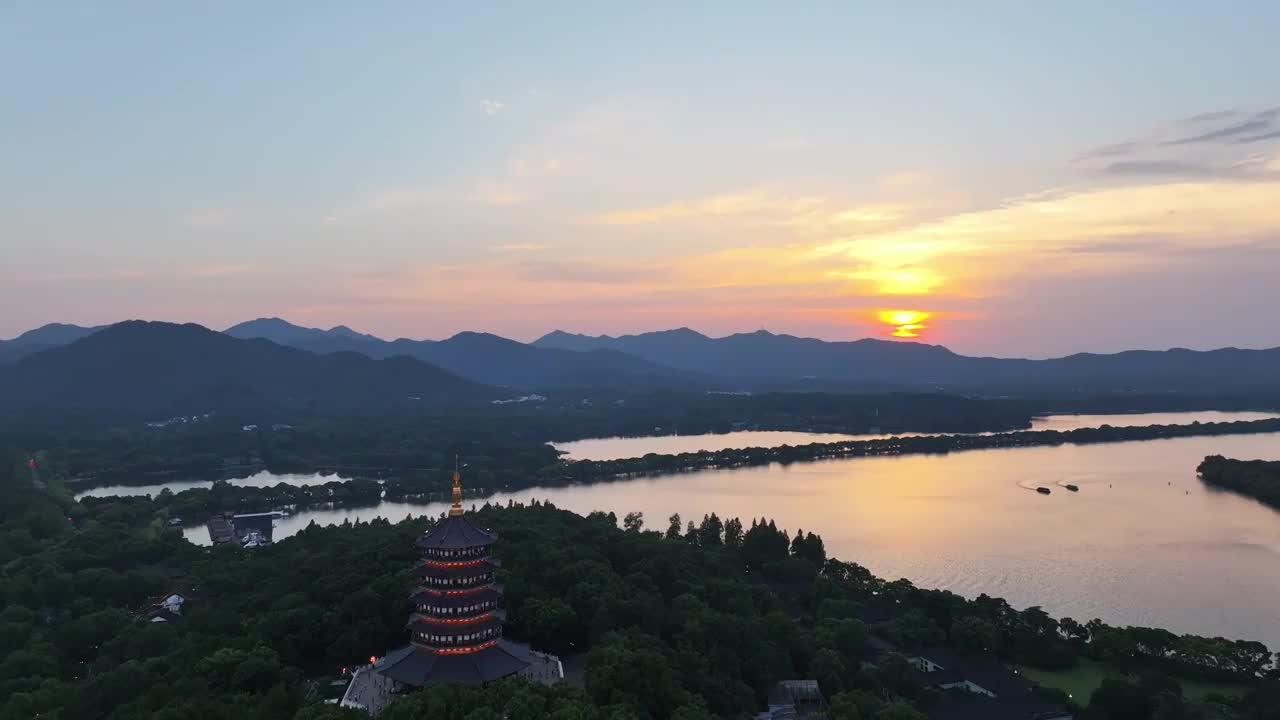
x=1258, y=479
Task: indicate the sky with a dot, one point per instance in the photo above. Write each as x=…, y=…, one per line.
x=1004, y=178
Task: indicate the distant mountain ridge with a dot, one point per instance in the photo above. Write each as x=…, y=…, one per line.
x=42, y=338
x=481, y=357
x=138, y=367
x=763, y=355
x=286, y=333
x=685, y=359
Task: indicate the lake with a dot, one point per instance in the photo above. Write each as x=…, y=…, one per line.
x=616, y=448
x=1142, y=542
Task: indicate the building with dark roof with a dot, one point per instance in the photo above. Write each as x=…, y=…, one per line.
x=220, y=530
x=252, y=529
x=795, y=700
x=980, y=688
x=166, y=608
x=456, y=627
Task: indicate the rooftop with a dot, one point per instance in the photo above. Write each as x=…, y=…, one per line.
x=1015, y=696
x=455, y=532
x=416, y=667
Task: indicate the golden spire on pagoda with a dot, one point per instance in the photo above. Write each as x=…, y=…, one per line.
x=457, y=491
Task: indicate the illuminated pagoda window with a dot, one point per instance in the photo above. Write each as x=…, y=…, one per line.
x=455, y=630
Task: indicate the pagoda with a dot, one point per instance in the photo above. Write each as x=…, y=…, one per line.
x=456, y=625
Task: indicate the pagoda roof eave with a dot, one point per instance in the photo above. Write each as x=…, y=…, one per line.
x=417, y=667
x=455, y=571
x=494, y=618
x=442, y=599
x=455, y=533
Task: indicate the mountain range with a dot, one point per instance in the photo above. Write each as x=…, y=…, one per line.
x=470, y=364
x=864, y=363
x=481, y=357
x=150, y=368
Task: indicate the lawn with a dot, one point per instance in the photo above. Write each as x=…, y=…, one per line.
x=1080, y=681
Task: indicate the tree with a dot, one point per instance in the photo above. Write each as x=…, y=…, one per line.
x=631, y=668
x=914, y=629
x=710, y=532
x=850, y=636
x=974, y=634
x=1120, y=700
x=696, y=710
x=673, y=529
x=898, y=675
x=733, y=532
x=899, y=711
x=809, y=547
x=550, y=622
x=633, y=521
x=1073, y=632
x=764, y=543
x=845, y=707
x=855, y=705
x=829, y=670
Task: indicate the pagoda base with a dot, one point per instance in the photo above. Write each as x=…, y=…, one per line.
x=415, y=666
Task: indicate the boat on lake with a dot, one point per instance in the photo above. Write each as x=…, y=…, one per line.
x=1073, y=488
x=1043, y=490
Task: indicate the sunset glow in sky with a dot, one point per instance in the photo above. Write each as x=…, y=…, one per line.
x=905, y=323
x=1020, y=179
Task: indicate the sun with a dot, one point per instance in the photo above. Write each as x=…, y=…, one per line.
x=906, y=323
x=902, y=317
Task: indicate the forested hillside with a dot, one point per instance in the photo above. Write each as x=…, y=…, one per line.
x=693, y=621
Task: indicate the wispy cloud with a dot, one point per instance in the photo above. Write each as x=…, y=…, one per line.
x=1213, y=116
x=741, y=205
x=593, y=272
x=1120, y=247
x=520, y=247
x=1253, y=167
x=492, y=107
x=1113, y=150
x=1257, y=124
x=1205, y=146
x=1180, y=168
x=1273, y=135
